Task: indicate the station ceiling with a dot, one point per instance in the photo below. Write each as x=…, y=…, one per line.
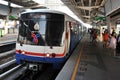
x=86, y=10
x=24, y=3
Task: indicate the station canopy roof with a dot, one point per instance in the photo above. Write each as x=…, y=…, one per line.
x=86, y=10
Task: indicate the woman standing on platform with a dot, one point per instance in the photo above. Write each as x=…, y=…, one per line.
x=105, y=38
x=94, y=39
x=113, y=43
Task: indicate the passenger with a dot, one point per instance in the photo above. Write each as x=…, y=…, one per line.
x=112, y=44
x=113, y=32
x=94, y=40
x=103, y=30
x=89, y=31
x=91, y=34
x=105, y=38
x=118, y=44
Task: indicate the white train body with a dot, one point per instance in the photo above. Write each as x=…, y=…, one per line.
x=46, y=36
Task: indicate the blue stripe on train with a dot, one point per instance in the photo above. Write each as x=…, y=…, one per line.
x=20, y=57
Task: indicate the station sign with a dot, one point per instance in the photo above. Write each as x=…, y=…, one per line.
x=99, y=18
x=13, y=17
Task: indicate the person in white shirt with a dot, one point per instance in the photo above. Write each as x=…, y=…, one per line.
x=112, y=44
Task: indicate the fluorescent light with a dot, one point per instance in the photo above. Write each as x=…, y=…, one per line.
x=39, y=1
x=12, y=4
x=15, y=5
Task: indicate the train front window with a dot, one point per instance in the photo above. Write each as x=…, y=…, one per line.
x=54, y=31
x=41, y=30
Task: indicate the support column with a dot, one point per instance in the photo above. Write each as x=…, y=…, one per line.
x=7, y=19
x=113, y=26
x=108, y=24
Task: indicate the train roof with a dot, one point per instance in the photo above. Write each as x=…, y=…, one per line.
x=43, y=10
x=68, y=17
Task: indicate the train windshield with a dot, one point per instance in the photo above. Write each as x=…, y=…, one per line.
x=41, y=29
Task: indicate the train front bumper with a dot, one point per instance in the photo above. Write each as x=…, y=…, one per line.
x=37, y=59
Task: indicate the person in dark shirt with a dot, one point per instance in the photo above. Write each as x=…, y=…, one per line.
x=118, y=44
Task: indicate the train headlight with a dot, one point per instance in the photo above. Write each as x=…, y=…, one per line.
x=48, y=55
x=23, y=52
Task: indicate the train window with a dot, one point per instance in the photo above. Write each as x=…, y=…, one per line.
x=46, y=31
x=29, y=33
x=42, y=24
x=22, y=30
x=54, y=32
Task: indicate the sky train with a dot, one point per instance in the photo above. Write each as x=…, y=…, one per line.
x=46, y=36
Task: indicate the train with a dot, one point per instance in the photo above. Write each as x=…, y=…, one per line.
x=46, y=37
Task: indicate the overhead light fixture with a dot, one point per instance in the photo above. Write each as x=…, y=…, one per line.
x=12, y=4
x=26, y=0
x=39, y=1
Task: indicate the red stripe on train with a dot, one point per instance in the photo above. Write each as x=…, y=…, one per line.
x=41, y=54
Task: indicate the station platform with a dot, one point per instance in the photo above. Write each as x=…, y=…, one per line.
x=8, y=38
x=91, y=62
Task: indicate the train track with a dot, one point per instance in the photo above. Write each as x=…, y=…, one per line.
x=11, y=74
x=47, y=73
x=8, y=65
x=9, y=70
x=7, y=46
x=20, y=72
x=7, y=51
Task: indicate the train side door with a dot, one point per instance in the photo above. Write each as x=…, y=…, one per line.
x=68, y=37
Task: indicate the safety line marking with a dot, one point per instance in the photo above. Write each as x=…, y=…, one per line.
x=76, y=65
